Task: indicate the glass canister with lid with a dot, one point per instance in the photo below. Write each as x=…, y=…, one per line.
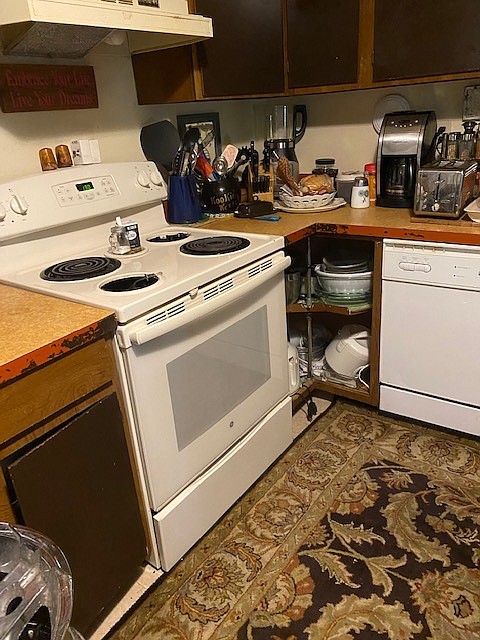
x=326, y=165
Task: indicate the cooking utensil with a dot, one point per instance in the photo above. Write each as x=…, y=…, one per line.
x=268, y=218
x=203, y=166
x=189, y=141
x=254, y=160
x=160, y=142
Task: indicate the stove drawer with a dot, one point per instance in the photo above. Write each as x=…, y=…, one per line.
x=219, y=487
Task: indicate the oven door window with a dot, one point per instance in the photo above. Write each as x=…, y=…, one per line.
x=213, y=378
x=200, y=388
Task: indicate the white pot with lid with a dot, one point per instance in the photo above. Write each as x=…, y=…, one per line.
x=349, y=350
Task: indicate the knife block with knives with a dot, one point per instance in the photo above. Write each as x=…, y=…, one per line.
x=259, y=187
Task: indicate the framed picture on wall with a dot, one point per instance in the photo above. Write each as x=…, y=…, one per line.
x=206, y=122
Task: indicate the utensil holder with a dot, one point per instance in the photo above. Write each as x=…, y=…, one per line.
x=184, y=206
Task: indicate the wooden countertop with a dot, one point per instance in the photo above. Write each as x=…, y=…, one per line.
x=35, y=329
x=374, y=222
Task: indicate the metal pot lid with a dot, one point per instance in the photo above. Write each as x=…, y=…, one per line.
x=345, y=264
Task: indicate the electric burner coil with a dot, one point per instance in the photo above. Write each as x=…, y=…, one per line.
x=80, y=269
x=214, y=245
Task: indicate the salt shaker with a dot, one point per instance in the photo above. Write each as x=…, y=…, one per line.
x=47, y=159
x=360, y=194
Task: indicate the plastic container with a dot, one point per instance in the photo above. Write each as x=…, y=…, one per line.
x=371, y=173
x=344, y=184
x=293, y=283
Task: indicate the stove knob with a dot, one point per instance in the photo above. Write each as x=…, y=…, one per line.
x=19, y=205
x=3, y=213
x=156, y=178
x=142, y=179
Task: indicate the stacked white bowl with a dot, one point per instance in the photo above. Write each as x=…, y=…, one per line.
x=345, y=275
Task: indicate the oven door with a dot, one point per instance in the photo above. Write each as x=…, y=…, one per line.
x=205, y=370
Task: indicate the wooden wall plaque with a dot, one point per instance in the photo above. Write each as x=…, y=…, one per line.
x=44, y=87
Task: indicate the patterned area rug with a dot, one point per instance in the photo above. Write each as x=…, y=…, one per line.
x=367, y=527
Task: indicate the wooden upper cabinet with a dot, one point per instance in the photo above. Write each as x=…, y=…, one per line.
x=322, y=42
x=426, y=39
x=164, y=76
x=245, y=55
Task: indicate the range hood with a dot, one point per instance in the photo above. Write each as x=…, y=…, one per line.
x=70, y=28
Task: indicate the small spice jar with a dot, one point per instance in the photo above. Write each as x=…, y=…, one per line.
x=452, y=145
x=371, y=173
x=64, y=159
x=47, y=159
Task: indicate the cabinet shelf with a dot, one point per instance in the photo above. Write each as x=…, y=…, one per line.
x=359, y=394
x=321, y=307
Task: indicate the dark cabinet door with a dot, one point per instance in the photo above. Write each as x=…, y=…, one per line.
x=245, y=56
x=164, y=76
x=322, y=42
x=77, y=488
x=420, y=39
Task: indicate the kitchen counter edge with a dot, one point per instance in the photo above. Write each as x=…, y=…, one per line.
x=374, y=222
x=36, y=329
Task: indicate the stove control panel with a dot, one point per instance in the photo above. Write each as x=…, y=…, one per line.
x=74, y=193
x=55, y=198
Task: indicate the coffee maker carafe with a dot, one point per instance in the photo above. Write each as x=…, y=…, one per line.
x=284, y=128
x=405, y=143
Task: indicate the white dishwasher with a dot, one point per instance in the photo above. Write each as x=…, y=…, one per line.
x=430, y=333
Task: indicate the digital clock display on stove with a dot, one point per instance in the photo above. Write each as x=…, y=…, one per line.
x=85, y=186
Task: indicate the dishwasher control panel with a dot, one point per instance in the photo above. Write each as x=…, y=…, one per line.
x=432, y=263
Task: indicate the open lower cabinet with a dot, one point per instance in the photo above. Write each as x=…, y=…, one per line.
x=316, y=317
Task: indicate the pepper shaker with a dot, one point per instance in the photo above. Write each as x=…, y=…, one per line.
x=62, y=153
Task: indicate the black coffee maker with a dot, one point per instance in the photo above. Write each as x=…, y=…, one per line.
x=405, y=143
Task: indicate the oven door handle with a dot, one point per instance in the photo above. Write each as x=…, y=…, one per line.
x=148, y=333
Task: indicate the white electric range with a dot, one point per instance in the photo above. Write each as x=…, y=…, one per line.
x=201, y=339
